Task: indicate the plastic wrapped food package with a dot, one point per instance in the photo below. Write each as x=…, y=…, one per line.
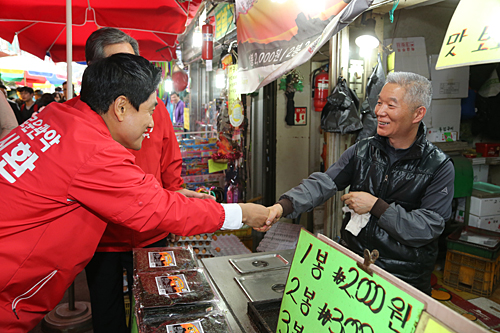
x=156, y=259
x=214, y=322
x=153, y=317
x=165, y=289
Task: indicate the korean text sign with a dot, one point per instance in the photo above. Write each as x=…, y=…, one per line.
x=327, y=292
x=472, y=36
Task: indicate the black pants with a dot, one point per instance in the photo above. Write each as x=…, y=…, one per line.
x=105, y=281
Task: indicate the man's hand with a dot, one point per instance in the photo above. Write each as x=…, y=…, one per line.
x=360, y=202
x=193, y=194
x=255, y=216
x=275, y=213
x=173, y=238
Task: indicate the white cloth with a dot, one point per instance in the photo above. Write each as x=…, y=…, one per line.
x=234, y=216
x=357, y=222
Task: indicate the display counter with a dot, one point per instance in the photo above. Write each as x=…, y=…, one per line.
x=248, y=277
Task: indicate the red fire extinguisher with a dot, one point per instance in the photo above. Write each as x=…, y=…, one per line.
x=320, y=90
x=207, y=48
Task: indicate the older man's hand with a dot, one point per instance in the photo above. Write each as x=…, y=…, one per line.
x=360, y=202
x=275, y=213
x=255, y=216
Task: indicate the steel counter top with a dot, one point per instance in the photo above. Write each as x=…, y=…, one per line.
x=222, y=274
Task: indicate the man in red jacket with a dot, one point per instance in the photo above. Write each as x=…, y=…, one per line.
x=65, y=172
x=159, y=156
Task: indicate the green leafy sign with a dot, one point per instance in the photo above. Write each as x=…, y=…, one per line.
x=327, y=292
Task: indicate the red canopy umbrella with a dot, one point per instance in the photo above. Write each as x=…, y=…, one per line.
x=42, y=38
x=41, y=30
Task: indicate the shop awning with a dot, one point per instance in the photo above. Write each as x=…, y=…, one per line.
x=41, y=30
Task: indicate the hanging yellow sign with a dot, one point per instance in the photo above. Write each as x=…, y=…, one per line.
x=235, y=108
x=186, y=118
x=473, y=36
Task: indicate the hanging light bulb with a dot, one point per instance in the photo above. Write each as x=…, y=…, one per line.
x=197, y=37
x=367, y=41
x=168, y=85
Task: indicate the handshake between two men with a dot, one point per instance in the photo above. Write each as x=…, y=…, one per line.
x=261, y=218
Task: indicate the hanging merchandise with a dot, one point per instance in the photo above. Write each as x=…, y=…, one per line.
x=231, y=189
x=340, y=114
x=291, y=83
x=320, y=90
x=231, y=143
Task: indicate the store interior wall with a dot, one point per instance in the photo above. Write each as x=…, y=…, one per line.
x=293, y=142
x=429, y=22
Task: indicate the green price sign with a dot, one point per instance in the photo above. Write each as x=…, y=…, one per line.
x=327, y=292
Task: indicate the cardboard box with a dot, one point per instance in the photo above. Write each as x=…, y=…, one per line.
x=448, y=83
x=484, y=206
x=435, y=135
x=485, y=222
x=409, y=55
x=444, y=115
x=481, y=172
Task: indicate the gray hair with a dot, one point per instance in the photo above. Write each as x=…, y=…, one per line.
x=94, y=47
x=417, y=87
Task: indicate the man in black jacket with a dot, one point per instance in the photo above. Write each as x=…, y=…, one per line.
x=399, y=182
x=28, y=106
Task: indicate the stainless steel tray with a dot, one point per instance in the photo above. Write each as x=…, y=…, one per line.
x=259, y=263
x=265, y=285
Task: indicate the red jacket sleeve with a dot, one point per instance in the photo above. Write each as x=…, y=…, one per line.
x=171, y=159
x=111, y=186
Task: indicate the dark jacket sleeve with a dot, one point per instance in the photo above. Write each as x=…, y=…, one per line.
x=319, y=187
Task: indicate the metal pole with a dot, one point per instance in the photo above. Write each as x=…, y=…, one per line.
x=71, y=297
x=331, y=141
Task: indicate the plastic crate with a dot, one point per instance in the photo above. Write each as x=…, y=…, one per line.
x=471, y=273
x=453, y=242
x=488, y=149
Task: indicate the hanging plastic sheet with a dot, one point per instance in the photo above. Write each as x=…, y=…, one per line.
x=340, y=114
x=373, y=87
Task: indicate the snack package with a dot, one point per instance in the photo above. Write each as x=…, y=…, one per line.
x=153, y=317
x=156, y=259
x=214, y=322
x=168, y=288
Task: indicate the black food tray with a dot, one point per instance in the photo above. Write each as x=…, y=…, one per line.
x=265, y=314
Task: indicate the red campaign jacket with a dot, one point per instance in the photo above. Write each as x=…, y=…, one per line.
x=61, y=176
x=160, y=156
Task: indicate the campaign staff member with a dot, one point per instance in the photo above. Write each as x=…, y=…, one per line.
x=402, y=180
x=160, y=156
x=67, y=169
